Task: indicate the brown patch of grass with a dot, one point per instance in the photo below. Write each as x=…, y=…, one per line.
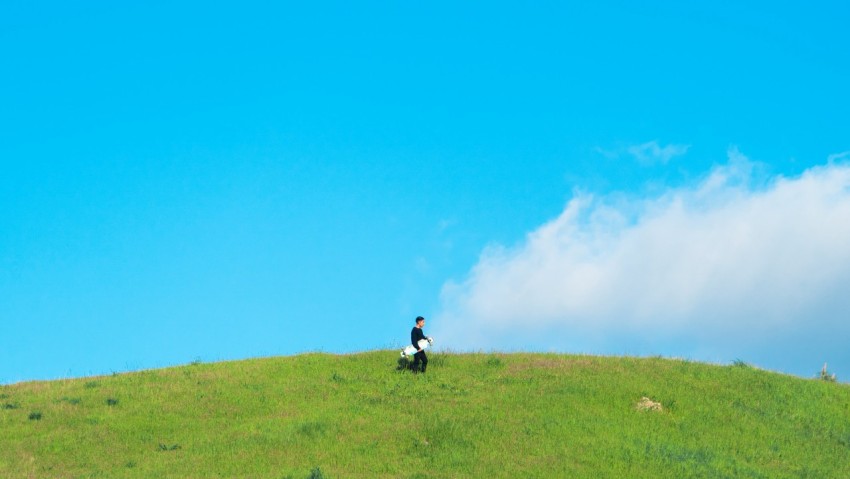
x=537, y=363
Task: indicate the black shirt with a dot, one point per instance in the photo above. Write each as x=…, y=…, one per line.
x=415, y=336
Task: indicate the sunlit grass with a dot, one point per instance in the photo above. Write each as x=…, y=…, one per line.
x=471, y=415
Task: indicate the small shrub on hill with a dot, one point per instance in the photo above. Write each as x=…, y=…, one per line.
x=316, y=473
x=824, y=375
x=494, y=362
x=404, y=364
x=739, y=363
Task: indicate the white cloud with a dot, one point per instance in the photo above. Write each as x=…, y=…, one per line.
x=651, y=152
x=721, y=268
x=838, y=156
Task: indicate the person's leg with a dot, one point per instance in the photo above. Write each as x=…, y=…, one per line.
x=424, y=361
x=416, y=360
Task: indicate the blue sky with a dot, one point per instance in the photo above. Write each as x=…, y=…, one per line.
x=211, y=181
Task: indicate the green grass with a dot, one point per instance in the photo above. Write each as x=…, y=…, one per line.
x=471, y=415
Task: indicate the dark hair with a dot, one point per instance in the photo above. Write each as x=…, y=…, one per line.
x=419, y=318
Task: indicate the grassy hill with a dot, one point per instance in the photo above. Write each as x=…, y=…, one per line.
x=471, y=415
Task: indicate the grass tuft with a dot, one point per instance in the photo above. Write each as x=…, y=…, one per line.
x=494, y=362
x=312, y=429
x=739, y=363
x=316, y=473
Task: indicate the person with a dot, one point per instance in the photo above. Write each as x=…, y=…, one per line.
x=415, y=336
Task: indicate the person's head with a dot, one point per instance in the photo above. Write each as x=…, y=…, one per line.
x=420, y=321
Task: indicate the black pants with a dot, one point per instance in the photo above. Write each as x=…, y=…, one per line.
x=420, y=358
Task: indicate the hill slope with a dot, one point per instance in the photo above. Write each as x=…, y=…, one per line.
x=471, y=415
